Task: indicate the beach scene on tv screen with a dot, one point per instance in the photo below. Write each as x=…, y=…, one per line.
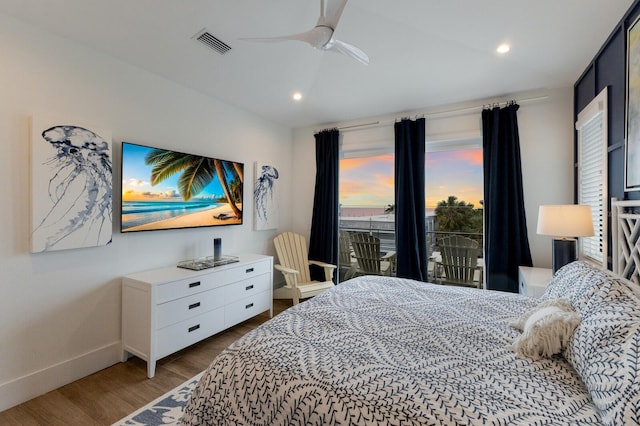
x=164, y=189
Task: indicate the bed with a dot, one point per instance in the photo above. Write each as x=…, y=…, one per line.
x=389, y=351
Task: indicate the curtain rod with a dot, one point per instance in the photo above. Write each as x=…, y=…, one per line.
x=444, y=112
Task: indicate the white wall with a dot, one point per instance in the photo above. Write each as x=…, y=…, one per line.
x=546, y=142
x=60, y=311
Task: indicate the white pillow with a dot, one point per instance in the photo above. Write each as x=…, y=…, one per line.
x=546, y=329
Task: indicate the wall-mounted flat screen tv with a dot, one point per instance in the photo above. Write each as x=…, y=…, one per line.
x=166, y=189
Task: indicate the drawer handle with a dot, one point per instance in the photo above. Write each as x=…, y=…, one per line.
x=248, y=270
x=249, y=287
x=194, y=328
x=194, y=305
x=250, y=305
x=196, y=284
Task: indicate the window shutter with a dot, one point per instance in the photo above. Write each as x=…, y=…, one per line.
x=592, y=174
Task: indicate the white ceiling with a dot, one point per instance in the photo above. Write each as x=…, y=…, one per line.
x=423, y=53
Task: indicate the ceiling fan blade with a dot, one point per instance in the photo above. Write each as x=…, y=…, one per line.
x=306, y=37
x=321, y=36
x=347, y=49
x=316, y=37
x=333, y=12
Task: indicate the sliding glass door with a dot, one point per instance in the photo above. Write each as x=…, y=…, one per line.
x=454, y=197
x=366, y=204
x=453, y=185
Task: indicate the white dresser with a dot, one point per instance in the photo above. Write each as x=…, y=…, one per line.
x=167, y=309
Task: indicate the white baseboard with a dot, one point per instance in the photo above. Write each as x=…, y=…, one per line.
x=27, y=387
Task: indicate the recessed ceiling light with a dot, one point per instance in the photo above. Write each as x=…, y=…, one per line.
x=297, y=96
x=503, y=48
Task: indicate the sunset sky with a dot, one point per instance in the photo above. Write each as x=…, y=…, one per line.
x=136, y=176
x=369, y=181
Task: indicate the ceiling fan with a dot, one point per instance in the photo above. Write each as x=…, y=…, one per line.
x=321, y=36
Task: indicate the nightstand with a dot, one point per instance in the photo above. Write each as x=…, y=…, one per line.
x=533, y=281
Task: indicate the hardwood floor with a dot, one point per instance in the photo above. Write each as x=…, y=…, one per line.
x=109, y=395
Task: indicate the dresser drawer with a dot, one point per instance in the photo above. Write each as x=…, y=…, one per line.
x=243, y=309
x=211, y=279
x=181, y=309
x=247, y=287
x=252, y=269
x=177, y=336
x=182, y=288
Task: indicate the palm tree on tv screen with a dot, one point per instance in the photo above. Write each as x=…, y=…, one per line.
x=197, y=172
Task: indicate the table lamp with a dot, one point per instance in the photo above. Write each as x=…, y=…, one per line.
x=565, y=223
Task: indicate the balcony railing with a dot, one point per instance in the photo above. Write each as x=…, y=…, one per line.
x=385, y=230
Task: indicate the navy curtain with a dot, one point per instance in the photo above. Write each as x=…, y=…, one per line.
x=411, y=240
x=323, y=241
x=506, y=243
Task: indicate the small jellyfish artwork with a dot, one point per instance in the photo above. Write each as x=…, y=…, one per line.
x=266, y=197
x=71, y=188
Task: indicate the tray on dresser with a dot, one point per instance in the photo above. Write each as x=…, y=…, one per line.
x=207, y=262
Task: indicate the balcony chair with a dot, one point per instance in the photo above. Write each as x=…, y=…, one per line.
x=366, y=249
x=459, y=261
x=294, y=264
x=346, y=263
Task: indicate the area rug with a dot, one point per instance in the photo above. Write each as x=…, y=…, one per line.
x=165, y=410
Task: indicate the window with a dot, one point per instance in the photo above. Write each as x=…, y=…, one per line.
x=454, y=194
x=366, y=189
x=454, y=173
x=366, y=173
x=453, y=169
x=366, y=183
x=592, y=174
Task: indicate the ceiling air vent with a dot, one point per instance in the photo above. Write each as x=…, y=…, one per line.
x=212, y=42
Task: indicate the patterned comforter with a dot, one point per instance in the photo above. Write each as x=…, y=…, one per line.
x=389, y=351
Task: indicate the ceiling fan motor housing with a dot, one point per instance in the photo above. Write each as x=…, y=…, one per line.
x=319, y=36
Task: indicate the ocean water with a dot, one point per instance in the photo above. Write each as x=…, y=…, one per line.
x=136, y=213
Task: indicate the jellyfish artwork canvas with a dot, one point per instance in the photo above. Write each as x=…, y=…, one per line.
x=71, y=186
x=265, y=196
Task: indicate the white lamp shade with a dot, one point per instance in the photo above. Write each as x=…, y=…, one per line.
x=568, y=220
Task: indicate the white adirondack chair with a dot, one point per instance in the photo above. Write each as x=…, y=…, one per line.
x=366, y=250
x=292, y=252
